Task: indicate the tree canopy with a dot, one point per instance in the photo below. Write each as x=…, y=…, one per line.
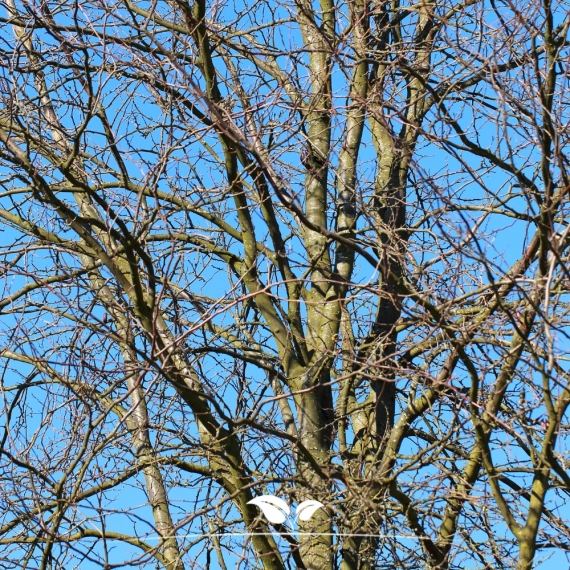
x=312, y=250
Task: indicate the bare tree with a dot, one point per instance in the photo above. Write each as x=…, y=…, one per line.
x=317, y=251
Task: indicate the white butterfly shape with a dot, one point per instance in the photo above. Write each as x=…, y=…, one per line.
x=277, y=511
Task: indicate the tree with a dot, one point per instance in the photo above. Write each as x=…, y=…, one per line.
x=310, y=250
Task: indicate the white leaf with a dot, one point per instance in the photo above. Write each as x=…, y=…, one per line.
x=274, y=508
x=306, y=509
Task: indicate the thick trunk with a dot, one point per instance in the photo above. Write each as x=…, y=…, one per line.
x=316, y=551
